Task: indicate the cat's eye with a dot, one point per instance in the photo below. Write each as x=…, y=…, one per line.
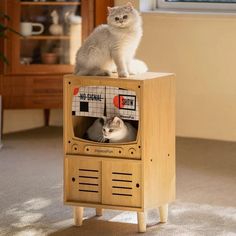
x=125, y=17
x=103, y=130
x=117, y=18
x=111, y=130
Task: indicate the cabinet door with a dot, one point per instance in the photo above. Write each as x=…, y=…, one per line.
x=83, y=180
x=121, y=182
x=51, y=34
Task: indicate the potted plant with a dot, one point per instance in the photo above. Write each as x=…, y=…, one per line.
x=3, y=30
x=49, y=53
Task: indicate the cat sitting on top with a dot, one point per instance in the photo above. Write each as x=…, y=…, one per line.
x=112, y=47
x=114, y=129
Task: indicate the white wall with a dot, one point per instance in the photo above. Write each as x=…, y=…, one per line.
x=17, y=120
x=201, y=50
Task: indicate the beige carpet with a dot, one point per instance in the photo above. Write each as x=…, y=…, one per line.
x=31, y=191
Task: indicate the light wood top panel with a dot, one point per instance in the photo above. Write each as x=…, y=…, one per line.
x=143, y=76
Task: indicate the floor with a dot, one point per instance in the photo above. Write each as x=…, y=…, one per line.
x=31, y=201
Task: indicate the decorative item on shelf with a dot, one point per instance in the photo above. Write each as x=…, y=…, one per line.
x=26, y=28
x=73, y=22
x=73, y=28
x=49, y=58
x=25, y=60
x=55, y=28
x=48, y=53
x=71, y=18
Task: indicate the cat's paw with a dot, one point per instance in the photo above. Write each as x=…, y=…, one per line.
x=103, y=73
x=132, y=72
x=123, y=74
x=108, y=73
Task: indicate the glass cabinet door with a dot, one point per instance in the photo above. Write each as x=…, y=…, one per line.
x=52, y=34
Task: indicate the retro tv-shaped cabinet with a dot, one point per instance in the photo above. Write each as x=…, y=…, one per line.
x=135, y=176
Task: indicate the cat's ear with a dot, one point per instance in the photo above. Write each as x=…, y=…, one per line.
x=129, y=6
x=109, y=9
x=117, y=121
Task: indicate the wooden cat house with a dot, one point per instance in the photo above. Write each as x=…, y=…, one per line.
x=133, y=176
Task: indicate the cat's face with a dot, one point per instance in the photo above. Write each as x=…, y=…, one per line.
x=113, y=128
x=122, y=16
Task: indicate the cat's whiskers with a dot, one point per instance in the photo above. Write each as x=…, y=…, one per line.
x=101, y=139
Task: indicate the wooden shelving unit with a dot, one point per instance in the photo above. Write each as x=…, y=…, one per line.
x=46, y=37
x=50, y=3
x=38, y=85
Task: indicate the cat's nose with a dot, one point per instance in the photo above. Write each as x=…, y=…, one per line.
x=121, y=20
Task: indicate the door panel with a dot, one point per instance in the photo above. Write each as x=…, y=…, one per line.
x=121, y=183
x=83, y=180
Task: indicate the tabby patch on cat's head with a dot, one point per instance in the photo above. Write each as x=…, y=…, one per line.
x=114, y=122
x=112, y=127
x=122, y=16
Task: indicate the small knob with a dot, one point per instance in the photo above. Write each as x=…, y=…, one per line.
x=75, y=147
x=132, y=151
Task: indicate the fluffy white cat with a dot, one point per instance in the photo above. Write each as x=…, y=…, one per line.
x=112, y=47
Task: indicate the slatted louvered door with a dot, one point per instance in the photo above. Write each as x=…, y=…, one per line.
x=121, y=182
x=84, y=180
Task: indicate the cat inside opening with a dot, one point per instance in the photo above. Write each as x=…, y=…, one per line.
x=113, y=130
x=111, y=47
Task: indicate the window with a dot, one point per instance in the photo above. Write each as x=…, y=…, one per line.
x=197, y=4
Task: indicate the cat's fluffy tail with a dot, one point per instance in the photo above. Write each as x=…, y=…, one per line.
x=138, y=66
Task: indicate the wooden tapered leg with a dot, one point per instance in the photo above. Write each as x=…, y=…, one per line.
x=99, y=211
x=46, y=117
x=141, y=222
x=163, y=210
x=78, y=215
